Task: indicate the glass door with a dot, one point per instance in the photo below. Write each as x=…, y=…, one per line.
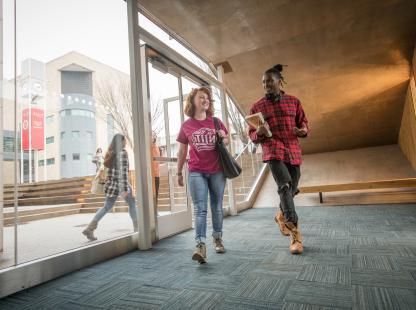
x=167, y=93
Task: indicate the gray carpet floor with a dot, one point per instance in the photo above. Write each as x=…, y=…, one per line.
x=356, y=257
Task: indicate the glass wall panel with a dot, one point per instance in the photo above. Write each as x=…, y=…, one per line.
x=73, y=96
x=166, y=122
x=163, y=36
x=7, y=137
x=248, y=154
x=216, y=96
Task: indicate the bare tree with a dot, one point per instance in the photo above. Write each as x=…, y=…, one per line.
x=238, y=123
x=236, y=118
x=115, y=97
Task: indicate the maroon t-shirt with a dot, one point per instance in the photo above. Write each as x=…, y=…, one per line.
x=200, y=135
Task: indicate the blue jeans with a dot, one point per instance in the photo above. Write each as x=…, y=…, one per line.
x=199, y=186
x=109, y=203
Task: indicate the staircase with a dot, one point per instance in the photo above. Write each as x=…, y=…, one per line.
x=54, y=198
x=70, y=196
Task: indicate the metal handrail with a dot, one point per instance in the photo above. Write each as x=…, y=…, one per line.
x=242, y=152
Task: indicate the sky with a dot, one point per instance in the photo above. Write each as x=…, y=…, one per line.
x=47, y=29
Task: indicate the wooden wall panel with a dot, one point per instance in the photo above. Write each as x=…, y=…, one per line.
x=407, y=135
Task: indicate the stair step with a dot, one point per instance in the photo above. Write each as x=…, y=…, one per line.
x=40, y=216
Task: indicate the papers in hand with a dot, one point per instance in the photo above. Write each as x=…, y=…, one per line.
x=256, y=120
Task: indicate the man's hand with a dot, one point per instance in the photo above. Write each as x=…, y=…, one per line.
x=124, y=194
x=263, y=129
x=300, y=132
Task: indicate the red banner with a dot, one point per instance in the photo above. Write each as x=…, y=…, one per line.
x=37, y=132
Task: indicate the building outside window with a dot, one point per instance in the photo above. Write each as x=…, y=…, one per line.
x=75, y=134
x=63, y=157
x=8, y=144
x=49, y=119
x=62, y=134
x=41, y=163
x=75, y=156
x=89, y=135
x=89, y=157
x=50, y=140
x=50, y=161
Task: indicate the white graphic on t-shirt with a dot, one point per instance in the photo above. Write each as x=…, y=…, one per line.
x=204, y=139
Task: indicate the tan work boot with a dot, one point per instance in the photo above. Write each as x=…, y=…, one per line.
x=89, y=231
x=296, y=246
x=218, y=246
x=280, y=220
x=200, y=253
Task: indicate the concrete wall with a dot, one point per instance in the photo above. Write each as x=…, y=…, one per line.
x=407, y=134
x=366, y=164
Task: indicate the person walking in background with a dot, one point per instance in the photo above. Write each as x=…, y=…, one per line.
x=287, y=122
x=205, y=173
x=155, y=165
x=117, y=183
x=98, y=159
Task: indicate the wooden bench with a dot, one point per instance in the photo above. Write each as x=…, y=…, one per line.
x=383, y=184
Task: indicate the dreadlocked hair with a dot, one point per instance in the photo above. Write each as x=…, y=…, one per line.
x=277, y=71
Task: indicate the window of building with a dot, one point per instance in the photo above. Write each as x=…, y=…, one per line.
x=75, y=134
x=50, y=140
x=89, y=134
x=41, y=163
x=8, y=144
x=89, y=157
x=49, y=119
x=78, y=82
x=75, y=156
x=50, y=161
x=77, y=112
x=63, y=157
x=62, y=134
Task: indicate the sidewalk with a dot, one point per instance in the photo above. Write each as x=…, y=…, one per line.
x=38, y=239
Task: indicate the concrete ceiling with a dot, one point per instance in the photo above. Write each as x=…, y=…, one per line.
x=348, y=61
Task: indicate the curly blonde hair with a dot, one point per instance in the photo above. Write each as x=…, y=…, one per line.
x=189, y=109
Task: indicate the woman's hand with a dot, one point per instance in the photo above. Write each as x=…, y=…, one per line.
x=180, y=180
x=223, y=136
x=221, y=133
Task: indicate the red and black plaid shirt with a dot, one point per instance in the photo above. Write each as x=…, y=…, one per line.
x=281, y=116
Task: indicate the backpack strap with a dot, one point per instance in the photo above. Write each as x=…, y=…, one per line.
x=216, y=123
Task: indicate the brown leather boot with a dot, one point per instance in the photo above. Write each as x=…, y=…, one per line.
x=218, y=245
x=296, y=246
x=200, y=253
x=280, y=220
x=89, y=231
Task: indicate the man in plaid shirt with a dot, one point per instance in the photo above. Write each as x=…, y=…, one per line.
x=286, y=120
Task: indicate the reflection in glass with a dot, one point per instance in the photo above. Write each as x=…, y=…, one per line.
x=62, y=118
x=166, y=120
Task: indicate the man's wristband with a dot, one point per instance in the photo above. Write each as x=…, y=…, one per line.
x=179, y=174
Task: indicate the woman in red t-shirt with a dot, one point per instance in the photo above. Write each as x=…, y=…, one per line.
x=205, y=173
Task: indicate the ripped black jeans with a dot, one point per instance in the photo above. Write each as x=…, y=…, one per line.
x=287, y=178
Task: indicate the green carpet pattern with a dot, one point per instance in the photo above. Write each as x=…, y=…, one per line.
x=356, y=257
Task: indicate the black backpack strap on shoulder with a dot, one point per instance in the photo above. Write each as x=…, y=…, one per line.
x=216, y=123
